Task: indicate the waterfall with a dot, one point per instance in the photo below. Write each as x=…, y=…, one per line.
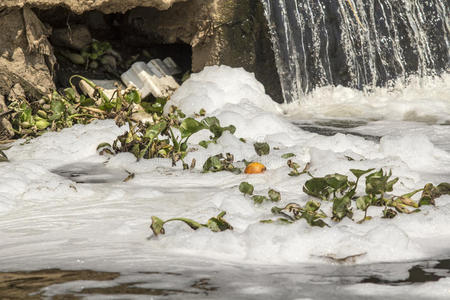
x=356, y=43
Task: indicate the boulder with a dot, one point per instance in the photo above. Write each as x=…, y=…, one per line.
x=26, y=56
x=75, y=37
x=79, y=7
x=233, y=33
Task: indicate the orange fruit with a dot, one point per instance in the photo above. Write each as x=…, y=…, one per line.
x=255, y=168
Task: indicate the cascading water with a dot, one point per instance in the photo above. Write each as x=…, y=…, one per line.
x=356, y=43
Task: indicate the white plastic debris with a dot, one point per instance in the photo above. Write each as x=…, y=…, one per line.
x=154, y=78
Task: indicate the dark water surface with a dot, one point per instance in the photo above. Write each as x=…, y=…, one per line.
x=230, y=282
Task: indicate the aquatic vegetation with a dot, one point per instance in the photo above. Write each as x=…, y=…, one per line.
x=262, y=148
x=60, y=110
x=219, y=162
x=215, y=224
x=341, y=191
x=157, y=139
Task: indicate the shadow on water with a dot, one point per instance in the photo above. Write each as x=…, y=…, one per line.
x=332, y=127
x=238, y=282
x=91, y=173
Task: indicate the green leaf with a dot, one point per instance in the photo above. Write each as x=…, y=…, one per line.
x=205, y=144
x=312, y=206
x=261, y=148
x=157, y=226
x=213, y=164
x=155, y=130
x=336, y=181
x=218, y=224
x=316, y=187
x=444, y=188
x=57, y=106
x=132, y=97
x=70, y=94
x=287, y=155
x=430, y=192
x=246, y=188
x=189, y=126
x=359, y=173
x=274, y=195
x=363, y=202
x=341, y=208
x=258, y=199
x=86, y=101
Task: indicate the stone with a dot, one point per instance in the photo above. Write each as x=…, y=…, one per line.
x=26, y=56
x=79, y=7
x=74, y=37
x=6, y=130
x=233, y=33
x=16, y=94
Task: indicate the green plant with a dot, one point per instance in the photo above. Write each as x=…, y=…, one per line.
x=219, y=163
x=293, y=212
x=215, y=224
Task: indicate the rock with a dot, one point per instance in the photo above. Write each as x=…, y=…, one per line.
x=3, y=106
x=16, y=94
x=79, y=7
x=233, y=33
x=74, y=37
x=26, y=56
x=6, y=130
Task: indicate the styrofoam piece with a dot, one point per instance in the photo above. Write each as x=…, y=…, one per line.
x=150, y=78
x=159, y=65
x=171, y=66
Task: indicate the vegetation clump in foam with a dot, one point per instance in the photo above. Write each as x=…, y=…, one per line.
x=341, y=191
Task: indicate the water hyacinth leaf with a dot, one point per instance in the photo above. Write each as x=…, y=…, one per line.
x=42, y=124
x=312, y=206
x=261, y=148
x=218, y=224
x=157, y=226
x=363, y=202
x=205, y=144
x=274, y=196
x=211, y=121
x=213, y=164
x=287, y=155
x=189, y=126
x=359, y=173
x=341, y=208
x=258, y=199
x=155, y=130
x=70, y=94
x=390, y=184
x=316, y=187
x=246, y=188
x=430, y=192
x=57, y=106
x=444, y=188
x=132, y=97
x=336, y=181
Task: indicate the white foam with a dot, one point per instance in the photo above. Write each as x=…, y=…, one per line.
x=47, y=220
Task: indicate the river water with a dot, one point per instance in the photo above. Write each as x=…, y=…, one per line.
x=63, y=206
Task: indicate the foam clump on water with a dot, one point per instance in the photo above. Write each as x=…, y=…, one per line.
x=49, y=220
